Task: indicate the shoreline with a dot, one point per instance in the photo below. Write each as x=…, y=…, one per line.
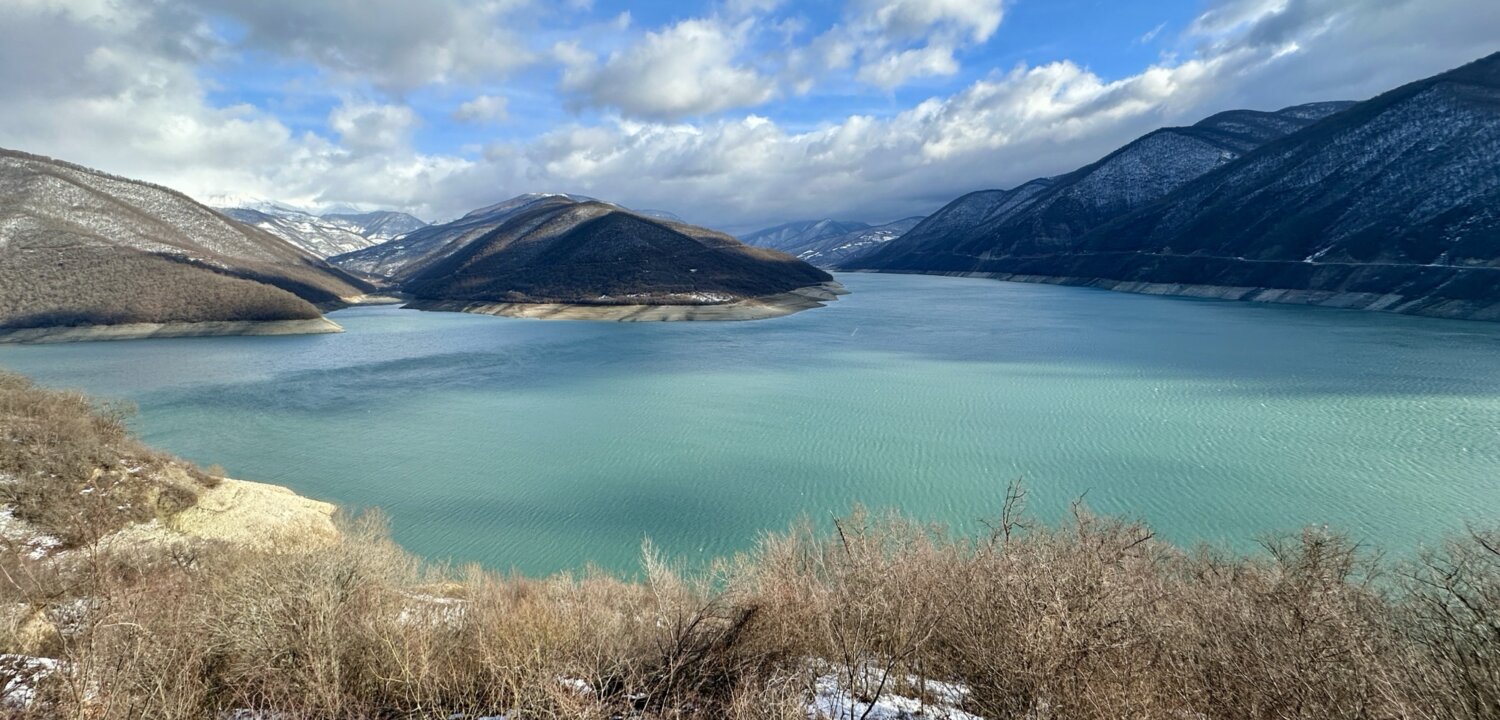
x=257, y=515
x=758, y=308
x=143, y=331
x=1393, y=303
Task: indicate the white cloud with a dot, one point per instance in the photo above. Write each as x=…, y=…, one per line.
x=1227, y=16
x=396, y=44
x=690, y=68
x=898, y=68
x=483, y=109
x=918, y=19
x=897, y=41
x=742, y=172
x=372, y=127
x=1147, y=37
x=699, y=66
x=112, y=84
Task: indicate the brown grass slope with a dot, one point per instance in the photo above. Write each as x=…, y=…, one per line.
x=1092, y=619
x=71, y=469
x=82, y=247
x=596, y=253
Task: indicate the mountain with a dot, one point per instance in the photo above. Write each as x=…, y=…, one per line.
x=561, y=251
x=413, y=250
x=379, y=226
x=326, y=235
x=835, y=250
x=1050, y=214
x=661, y=215
x=1393, y=205
x=796, y=237
x=79, y=247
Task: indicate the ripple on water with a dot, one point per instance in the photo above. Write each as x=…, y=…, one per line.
x=546, y=446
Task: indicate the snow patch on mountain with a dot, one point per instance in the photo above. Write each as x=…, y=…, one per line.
x=327, y=235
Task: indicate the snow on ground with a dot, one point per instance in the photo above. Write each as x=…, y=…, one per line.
x=18, y=531
x=833, y=701
x=21, y=675
x=432, y=609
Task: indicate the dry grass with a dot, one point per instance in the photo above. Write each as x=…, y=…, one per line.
x=1094, y=618
x=72, y=470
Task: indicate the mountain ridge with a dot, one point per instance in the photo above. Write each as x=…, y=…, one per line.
x=1388, y=205
x=329, y=234
x=1053, y=212
x=85, y=247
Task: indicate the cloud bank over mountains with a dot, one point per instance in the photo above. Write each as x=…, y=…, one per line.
x=736, y=113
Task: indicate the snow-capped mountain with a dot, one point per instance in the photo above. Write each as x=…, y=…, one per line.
x=661, y=215
x=795, y=237
x=1389, y=204
x=834, y=250
x=1044, y=215
x=326, y=235
x=379, y=226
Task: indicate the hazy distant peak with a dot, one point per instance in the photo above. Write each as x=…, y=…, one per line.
x=329, y=234
x=524, y=200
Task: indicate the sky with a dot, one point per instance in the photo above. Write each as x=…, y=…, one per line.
x=736, y=114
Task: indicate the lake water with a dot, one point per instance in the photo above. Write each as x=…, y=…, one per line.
x=544, y=446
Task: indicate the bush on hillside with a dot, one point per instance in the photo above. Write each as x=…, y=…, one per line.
x=103, y=286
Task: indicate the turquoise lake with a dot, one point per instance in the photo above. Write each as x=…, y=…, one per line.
x=544, y=446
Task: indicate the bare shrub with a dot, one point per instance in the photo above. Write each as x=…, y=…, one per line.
x=1091, y=618
x=1451, y=618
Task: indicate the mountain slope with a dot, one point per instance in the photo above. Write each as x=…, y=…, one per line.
x=379, y=226
x=81, y=247
x=562, y=251
x=1392, y=205
x=308, y=232
x=796, y=237
x=327, y=235
x=838, y=249
x=408, y=253
x=1046, y=215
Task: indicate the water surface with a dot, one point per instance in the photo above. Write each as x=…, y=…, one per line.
x=544, y=446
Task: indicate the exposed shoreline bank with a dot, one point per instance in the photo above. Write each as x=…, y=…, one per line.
x=256, y=514
x=142, y=331
x=760, y=308
x=1442, y=308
